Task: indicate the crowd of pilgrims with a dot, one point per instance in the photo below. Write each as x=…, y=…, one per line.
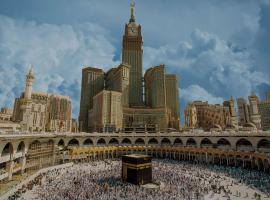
x=101, y=180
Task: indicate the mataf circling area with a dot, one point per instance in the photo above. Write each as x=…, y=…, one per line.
x=176, y=180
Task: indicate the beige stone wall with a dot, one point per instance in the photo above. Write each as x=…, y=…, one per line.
x=32, y=112
x=141, y=117
x=191, y=116
x=107, y=111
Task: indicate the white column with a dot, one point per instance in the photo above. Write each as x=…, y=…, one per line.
x=10, y=169
x=23, y=163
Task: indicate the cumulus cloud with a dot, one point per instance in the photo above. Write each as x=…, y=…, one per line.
x=57, y=52
x=197, y=93
x=210, y=68
x=230, y=58
x=212, y=63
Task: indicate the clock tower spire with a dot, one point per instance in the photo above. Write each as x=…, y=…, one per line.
x=132, y=12
x=132, y=53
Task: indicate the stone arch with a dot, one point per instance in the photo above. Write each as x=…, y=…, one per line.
x=178, y=142
x=61, y=143
x=88, y=142
x=50, y=142
x=7, y=150
x=191, y=142
x=206, y=143
x=126, y=141
x=73, y=143
x=263, y=143
x=139, y=141
x=165, y=141
x=114, y=141
x=243, y=144
x=101, y=141
x=153, y=141
x=21, y=147
x=223, y=142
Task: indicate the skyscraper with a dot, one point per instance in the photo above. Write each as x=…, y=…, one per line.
x=92, y=83
x=158, y=111
x=132, y=53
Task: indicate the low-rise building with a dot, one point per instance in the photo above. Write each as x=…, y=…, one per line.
x=38, y=111
x=249, y=113
x=6, y=114
x=200, y=114
x=9, y=127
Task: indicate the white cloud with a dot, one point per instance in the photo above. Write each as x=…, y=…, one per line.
x=197, y=93
x=57, y=52
x=206, y=60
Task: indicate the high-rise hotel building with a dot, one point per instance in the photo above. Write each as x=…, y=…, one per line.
x=121, y=99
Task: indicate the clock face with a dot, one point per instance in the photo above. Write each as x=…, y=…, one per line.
x=133, y=31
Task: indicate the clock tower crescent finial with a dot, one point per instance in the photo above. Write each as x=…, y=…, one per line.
x=132, y=11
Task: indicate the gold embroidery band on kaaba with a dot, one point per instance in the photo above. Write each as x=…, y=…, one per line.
x=139, y=166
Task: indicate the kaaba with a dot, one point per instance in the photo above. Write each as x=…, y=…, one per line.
x=137, y=169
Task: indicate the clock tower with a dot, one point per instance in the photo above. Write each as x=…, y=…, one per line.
x=132, y=54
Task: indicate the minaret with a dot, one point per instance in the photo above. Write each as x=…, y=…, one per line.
x=132, y=54
x=29, y=84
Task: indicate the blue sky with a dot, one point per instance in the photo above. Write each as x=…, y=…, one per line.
x=218, y=49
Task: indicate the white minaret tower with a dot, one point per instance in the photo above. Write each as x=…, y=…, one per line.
x=29, y=84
